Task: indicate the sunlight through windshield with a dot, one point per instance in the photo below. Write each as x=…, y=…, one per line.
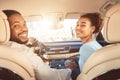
x=46, y=31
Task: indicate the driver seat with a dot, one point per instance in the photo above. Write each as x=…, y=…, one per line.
x=13, y=65
x=104, y=64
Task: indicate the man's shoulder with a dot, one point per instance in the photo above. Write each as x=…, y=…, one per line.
x=13, y=44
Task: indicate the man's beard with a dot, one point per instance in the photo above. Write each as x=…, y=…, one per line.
x=19, y=41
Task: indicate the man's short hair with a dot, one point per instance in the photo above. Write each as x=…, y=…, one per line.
x=11, y=12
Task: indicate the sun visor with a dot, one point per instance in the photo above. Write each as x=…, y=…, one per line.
x=33, y=18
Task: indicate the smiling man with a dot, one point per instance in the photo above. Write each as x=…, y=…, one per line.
x=18, y=29
x=19, y=33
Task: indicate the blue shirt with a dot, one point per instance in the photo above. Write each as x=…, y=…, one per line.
x=86, y=50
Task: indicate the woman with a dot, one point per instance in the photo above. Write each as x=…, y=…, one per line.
x=88, y=25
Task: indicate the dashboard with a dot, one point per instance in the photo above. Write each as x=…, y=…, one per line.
x=58, y=52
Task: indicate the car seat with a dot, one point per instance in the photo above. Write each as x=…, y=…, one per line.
x=104, y=64
x=13, y=65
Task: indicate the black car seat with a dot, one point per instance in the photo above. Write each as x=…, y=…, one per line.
x=100, y=39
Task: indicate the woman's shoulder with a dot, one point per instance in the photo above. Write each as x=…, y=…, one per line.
x=92, y=44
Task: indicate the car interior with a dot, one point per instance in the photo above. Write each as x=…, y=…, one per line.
x=59, y=41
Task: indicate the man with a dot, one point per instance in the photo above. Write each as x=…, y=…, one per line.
x=19, y=33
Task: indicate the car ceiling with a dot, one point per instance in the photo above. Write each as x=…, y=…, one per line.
x=36, y=7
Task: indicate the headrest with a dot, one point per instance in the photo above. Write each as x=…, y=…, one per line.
x=112, y=24
x=4, y=28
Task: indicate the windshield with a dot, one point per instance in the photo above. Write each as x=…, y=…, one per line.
x=48, y=31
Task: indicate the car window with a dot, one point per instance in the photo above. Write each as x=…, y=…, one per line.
x=47, y=31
